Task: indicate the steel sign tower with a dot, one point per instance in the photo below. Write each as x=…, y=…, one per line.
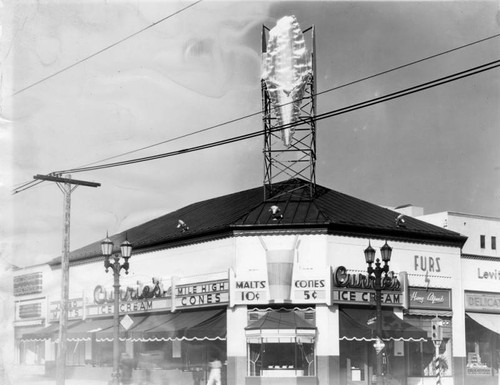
x=289, y=105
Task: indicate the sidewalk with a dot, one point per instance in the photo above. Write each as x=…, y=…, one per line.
x=25, y=376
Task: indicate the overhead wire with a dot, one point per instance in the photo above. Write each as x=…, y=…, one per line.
x=27, y=184
x=104, y=49
x=294, y=101
x=329, y=114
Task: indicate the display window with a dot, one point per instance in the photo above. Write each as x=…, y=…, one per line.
x=281, y=359
x=483, y=352
x=421, y=359
x=32, y=352
x=281, y=343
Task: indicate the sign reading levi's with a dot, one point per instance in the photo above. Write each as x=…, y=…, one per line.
x=202, y=294
x=359, y=288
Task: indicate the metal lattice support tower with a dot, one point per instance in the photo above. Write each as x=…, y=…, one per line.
x=298, y=160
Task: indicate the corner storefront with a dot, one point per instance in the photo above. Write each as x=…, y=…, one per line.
x=278, y=303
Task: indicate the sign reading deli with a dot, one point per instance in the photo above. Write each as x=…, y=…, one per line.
x=482, y=302
x=357, y=289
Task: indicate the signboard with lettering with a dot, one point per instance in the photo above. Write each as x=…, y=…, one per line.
x=202, y=294
x=28, y=284
x=75, y=309
x=250, y=292
x=310, y=290
x=129, y=307
x=29, y=310
x=365, y=297
x=32, y=310
x=482, y=302
x=359, y=289
x=439, y=299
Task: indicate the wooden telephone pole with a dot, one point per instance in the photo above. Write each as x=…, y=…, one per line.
x=67, y=186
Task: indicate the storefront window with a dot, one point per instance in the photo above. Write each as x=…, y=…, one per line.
x=483, y=351
x=32, y=352
x=421, y=358
x=281, y=359
x=75, y=353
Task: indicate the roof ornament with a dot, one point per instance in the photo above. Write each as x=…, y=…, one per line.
x=182, y=226
x=400, y=221
x=276, y=213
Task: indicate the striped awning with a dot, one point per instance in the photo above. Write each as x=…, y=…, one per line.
x=357, y=324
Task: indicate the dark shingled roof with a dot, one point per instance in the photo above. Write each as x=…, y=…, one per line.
x=248, y=212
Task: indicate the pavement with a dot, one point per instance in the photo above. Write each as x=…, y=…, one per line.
x=35, y=376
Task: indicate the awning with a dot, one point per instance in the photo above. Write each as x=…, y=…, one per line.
x=48, y=332
x=83, y=331
x=360, y=325
x=196, y=325
x=489, y=321
x=280, y=326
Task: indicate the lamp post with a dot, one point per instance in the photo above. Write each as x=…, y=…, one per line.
x=107, y=251
x=375, y=273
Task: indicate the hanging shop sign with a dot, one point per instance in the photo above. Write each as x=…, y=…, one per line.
x=201, y=294
x=482, y=302
x=28, y=284
x=420, y=298
x=359, y=289
x=76, y=309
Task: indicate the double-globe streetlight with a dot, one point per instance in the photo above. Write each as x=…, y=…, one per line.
x=376, y=273
x=107, y=247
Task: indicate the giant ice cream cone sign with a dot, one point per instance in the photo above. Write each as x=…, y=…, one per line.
x=286, y=68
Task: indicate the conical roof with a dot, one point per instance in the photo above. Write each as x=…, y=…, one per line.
x=329, y=212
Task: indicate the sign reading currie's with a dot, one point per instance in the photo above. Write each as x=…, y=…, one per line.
x=359, y=288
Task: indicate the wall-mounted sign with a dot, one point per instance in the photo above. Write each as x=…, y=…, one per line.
x=28, y=310
x=130, y=307
x=201, y=294
x=33, y=310
x=364, y=297
x=28, y=284
x=359, y=288
x=309, y=290
x=482, y=302
x=250, y=292
x=75, y=309
x=429, y=298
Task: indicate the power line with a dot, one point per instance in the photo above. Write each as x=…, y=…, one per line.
x=28, y=184
x=293, y=101
x=105, y=49
x=329, y=114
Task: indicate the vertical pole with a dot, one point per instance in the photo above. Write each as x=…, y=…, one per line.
x=378, y=303
x=116, y=324
x=63, y=317
x=437, y=364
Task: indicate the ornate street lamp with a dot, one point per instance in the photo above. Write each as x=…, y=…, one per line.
x=107, y=251
x=375, y=273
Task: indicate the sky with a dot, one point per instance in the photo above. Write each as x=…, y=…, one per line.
x=436, y=149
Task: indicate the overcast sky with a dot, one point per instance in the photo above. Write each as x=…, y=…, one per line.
x=438, y=149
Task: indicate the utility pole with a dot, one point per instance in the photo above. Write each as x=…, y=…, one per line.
x=67, y=186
